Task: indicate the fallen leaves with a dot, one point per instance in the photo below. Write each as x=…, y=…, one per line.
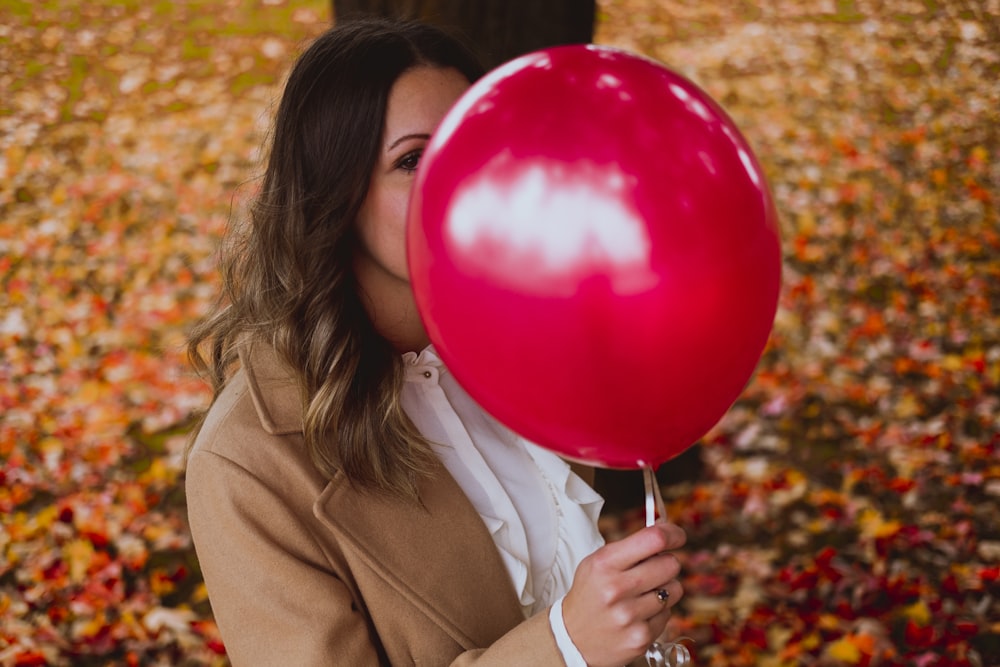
x=860, y=470
x=124, y=132
x=847, y=515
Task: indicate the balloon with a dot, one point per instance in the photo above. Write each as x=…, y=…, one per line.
x=594, y=251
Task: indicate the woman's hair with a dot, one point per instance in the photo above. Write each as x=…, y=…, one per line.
x=287, y=273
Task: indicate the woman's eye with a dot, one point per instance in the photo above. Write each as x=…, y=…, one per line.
x=409, y=161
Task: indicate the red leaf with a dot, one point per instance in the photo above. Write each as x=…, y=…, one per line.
x=30, y=659
x=917, y=636
x=752, y=636
x=965, y=630
x=900, y=485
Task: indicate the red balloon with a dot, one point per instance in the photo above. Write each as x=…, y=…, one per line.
x=594, y=252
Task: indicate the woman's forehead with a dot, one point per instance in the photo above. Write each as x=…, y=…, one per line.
x=419, y=100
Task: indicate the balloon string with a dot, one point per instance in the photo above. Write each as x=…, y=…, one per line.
x=661, y=654
x=654, y=500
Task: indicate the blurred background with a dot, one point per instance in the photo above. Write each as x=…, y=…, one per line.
x=844, y=512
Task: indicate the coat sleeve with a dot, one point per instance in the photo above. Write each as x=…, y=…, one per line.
x=531, y=644
x=274, y=595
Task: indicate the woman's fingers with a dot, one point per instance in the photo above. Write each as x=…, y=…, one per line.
x=653, y=572
x=622, y=595
x=661, y=598
x=632, y=550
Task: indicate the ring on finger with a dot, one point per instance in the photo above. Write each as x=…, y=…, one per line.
x=663, y=595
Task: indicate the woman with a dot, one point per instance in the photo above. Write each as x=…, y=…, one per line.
x=349, y=503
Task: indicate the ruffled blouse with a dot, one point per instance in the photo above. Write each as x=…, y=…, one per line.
x=542, y=515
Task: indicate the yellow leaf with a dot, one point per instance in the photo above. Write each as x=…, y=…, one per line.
x=160, y=583
x=79, y=554
x=45, y=518
x=778, y=636
x=154, y=532
x=829, y=621
x=86, y=629
x=158, y=472
x=888, y=529
x=817, y=526
x=200, y=593
x=59, y=194
x=919, y=612
x=907, y=407
x=844, y=650
x=90, y=391
x=952, y=362
x=873, y=526
x=807, y=223
x=15, y=159
x=129, y=620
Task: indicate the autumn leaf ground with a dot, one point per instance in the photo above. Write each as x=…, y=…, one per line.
x=847, y=510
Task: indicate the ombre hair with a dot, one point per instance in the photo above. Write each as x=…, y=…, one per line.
x=287, y=272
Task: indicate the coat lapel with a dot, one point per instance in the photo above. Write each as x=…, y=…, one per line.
x=437, y=554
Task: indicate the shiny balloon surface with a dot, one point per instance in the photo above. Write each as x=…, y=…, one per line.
x=594, y=251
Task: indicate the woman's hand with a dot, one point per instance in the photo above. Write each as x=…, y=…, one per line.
x=613, y=611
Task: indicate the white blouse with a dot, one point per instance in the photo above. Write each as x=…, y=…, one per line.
x=542, y=515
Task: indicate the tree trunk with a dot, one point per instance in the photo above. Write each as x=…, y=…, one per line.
x=497, y=30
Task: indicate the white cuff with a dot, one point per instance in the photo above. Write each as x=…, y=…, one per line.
x=570, y=653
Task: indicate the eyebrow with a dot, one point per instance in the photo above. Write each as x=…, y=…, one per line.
x=405, y=137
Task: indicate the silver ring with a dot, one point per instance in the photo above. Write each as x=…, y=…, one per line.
x=662, y=594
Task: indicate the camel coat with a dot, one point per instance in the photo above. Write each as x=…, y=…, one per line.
x=304, y=571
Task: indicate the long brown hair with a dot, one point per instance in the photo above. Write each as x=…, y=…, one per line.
x=287, y=278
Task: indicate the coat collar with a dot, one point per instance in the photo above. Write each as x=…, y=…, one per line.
x=273, y=389
x=437, y=554
x=278, y=403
